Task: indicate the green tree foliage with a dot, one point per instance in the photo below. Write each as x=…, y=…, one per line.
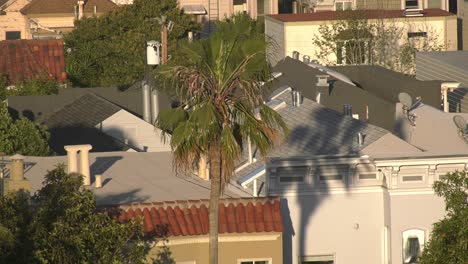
x=15, y=216
x=38, y=86
x=220, y=85
x=354, y=39
x=449, y=239
x=111, y=50
x=65, y=227
x=22, y=136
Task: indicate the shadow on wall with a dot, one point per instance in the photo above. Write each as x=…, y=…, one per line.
x=78, y=135
x=331, y=138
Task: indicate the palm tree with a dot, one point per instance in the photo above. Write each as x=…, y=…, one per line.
x=219, y=82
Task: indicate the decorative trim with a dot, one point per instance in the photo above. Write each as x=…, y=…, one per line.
x=221, y=239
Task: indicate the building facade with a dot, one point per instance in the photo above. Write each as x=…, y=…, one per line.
x=13, y=24
x=359, y=209
x=297, y=32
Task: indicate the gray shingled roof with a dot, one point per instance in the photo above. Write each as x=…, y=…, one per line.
x=316, y=130
x=374, y=96
x=88, y=111
x=130, y=177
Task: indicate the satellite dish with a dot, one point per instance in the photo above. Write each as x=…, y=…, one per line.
x=406, y=100
x=462, y=126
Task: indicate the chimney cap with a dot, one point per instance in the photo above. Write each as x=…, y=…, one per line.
x=17, y=157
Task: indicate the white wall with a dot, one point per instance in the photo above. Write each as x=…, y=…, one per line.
x=348, y=225
x=298, y=36
x=125, y=126
x=349, y=221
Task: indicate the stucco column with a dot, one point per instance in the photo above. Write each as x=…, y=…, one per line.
x=72, y=158
x=431, y=174
x=84, y=164
x=80, y=9
x=394, y=179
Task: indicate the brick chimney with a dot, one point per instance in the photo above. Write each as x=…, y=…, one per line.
x=80, y=165
x=16, y=181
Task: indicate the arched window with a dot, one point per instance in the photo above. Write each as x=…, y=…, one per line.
x=413, y=244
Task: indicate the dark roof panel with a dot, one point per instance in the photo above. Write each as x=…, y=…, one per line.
x=87, y=111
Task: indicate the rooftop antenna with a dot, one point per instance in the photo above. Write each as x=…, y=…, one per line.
x=462, y=127
x=408, y=106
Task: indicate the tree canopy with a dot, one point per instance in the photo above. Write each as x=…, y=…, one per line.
x=220, y=83
x=64, y=227
x=448, y=242
x=38, y=86
x=22, y=136
x=111, y=50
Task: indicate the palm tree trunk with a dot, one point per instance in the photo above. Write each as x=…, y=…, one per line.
x=215, y=174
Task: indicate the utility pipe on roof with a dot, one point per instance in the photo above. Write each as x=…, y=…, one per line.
x=146, y=102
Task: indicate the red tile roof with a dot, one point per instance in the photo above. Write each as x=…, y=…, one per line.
x=370, y=14
x=188, y=218
x=27, y=59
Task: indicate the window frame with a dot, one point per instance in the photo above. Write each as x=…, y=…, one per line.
x=304, y=177
x=269, y=260
x=415, y=232
x=12, y=31
x=343, y=2
x=319, y=257
x=411, y=6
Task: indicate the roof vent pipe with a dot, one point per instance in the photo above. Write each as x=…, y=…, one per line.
x=296, y=98
x=146, y=102
x=294, y=7
x=98, y=181
x=348, y=110
x=306, y=59
x=295, y=55
x=154, y=105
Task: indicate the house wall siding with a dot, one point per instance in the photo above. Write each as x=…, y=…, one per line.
x=139, y=135
x=378, y=4
x=14, y=20
x=229, y=252
x=276, y=33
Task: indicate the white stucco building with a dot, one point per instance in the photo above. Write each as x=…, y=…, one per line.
x=296, y=32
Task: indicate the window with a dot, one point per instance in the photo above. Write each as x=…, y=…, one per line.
x=367, y=176
x=240, y=6
x=413, y=243
x=417, y=34
x=319, y=259
x=254, y=261
x=12, y=35
x=343, y=5
x=331, y=177
x=412, y=178
x=411, y=4
x=292, y=174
